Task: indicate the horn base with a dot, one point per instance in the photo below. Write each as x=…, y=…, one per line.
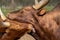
x=37, y=6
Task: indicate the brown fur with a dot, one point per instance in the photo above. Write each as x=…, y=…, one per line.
x=47, y=26
x=14, y=31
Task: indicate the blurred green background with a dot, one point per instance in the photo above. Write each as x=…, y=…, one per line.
x=11, y=5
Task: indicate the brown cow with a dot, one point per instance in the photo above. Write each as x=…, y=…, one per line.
x=31, y=15
x=50, y=24
x=47, y=26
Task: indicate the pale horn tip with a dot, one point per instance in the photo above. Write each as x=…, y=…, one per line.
x=2, y=15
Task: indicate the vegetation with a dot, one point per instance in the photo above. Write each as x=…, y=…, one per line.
x=11, y=5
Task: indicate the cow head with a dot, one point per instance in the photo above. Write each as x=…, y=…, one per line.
x=25, y=14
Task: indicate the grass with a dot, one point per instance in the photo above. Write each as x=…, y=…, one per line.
x=48, y=8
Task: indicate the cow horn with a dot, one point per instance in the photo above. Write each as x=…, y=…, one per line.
x=4, y=18
x=2, y=15
x=36, y=2
x=39, y=4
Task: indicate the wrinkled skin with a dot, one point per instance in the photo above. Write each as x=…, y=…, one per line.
x=47, y=26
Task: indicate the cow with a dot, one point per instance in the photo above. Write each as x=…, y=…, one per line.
x=45, y=26
x=49, y=25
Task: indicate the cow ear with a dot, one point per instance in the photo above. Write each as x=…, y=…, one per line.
x=41, y=12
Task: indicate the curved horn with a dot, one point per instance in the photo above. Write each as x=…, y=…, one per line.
x=36, y=2
x=40, y=4
x=4, y=18
x=2, y=15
